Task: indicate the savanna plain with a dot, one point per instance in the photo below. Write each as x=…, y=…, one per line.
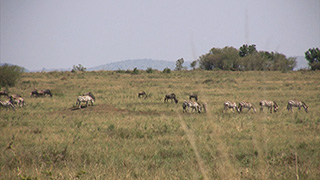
x=125, y=137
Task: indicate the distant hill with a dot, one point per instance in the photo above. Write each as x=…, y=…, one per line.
x=142, y=64
x=302, y=63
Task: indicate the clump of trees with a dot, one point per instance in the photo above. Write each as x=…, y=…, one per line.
x=247, y=58
x=9, y=75
x=313, y=56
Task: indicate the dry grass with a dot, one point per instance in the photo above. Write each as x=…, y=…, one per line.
x=124, y=137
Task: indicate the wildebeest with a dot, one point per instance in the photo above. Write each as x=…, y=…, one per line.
x=35, y=93
x=298, y=104
x=142, y=94
x=230, y=105
x=246, y=105
x=269, y=104
x=171, y=96
x=89, y=94
x=7, y=104
x=194, y=96
x=4, y=93
x=85, y=99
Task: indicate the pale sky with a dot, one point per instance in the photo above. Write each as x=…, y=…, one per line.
x=38, y=34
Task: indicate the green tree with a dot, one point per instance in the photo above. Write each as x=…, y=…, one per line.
x=179, y=64
x=166, y=70
x=246, y=50
x=313, y=56
x=9, y=75
x=193, y=64
x=224, y=59
x=245, y=59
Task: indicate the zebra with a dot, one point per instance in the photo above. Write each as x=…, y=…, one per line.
x=196, y=107
x=89, y=94
x=185, y=105
x=7, y=104
x=85, y=99
x=14, y=99
x=299, y=104
x=170, y=96
x=269, y=104
x=230, y=105
x=246, y=105
x=195, y=96
x=142, y=94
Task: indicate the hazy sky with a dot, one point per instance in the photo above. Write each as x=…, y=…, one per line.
x=38, y=34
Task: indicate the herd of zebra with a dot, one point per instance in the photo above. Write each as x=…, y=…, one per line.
x=198, y=107
x=195, y=106
x=271, y=105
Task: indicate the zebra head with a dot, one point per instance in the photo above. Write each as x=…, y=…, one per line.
x=304, y=105
x=275, y=106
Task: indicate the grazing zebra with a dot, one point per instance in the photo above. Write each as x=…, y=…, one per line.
x=171, y=96
x=85, y=99
x=142, y=94
x=14, y=99
x=193, y=96
x=7, y=104
x=185, y=105
x=299, y=104
x=269, y=104
x=195, y=107
x=246, y=105
x=89, y=94
x=230, y=105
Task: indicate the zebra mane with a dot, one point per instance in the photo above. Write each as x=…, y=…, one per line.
x=304, y=103
x=275, y=103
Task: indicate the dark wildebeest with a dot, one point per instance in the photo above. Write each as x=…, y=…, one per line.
x=90, y=94
x=142, y=94
x=4, y=93
x=171, y=96
x=194, y=96
x=35, y=93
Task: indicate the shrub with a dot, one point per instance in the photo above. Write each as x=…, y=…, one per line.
x=135, y=71
x=166, y=70
x=149, y=70
x=9, y=75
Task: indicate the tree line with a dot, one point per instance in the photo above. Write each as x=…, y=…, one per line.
x=246, y=58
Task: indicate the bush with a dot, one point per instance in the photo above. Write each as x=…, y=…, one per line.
x=166, y=70
x=149, y=70
x=9, y=75
x=135, y=71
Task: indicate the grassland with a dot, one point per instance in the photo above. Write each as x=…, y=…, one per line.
x=124, y=137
